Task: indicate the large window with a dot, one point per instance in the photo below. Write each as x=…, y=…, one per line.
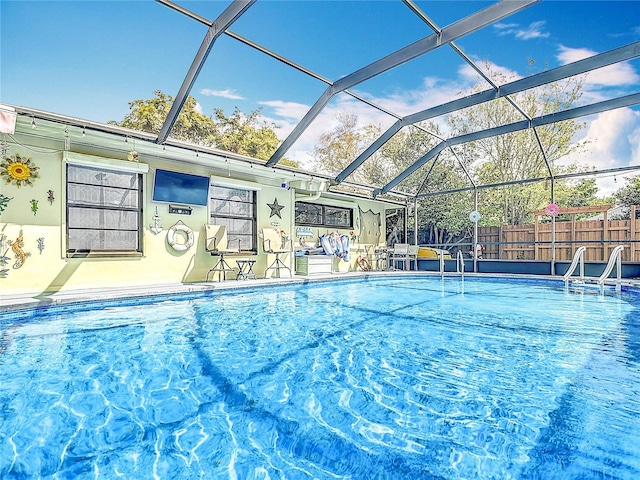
x=313, y=214
x=104, y=211
x=235, y=208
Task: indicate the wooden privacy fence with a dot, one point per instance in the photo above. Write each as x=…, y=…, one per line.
x=533, y=242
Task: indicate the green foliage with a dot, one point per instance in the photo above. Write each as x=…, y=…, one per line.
x=245, y=134
x=149, y=116
x=577, y=193
x=500, y=159
x=629, y=194
x=338, y=147
x=242, y=134
x=518, y=155
x=443, y=218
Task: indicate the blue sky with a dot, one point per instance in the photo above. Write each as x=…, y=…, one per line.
x=88, y=59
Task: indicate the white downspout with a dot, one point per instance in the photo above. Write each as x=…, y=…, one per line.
x=310, y=197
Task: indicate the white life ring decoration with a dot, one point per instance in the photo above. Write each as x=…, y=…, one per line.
x=475, y=216
x=172, y=238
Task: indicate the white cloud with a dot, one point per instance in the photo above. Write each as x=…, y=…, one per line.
x=612, y=140
x=230, y=94
x=198, y=108
x=634, y=140
x=613, y=137
x=468, y=72
x=289, y=110
x=614, y=75
x=534, y=30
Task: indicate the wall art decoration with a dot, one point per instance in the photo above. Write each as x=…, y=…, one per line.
x=18, y=170
x=20, y=254
x=370, y=227
x=4, y=259
x=50, y=197
x=41, y=244
x=34, y=206
x=275, y=208
x=4, y=201
x=156, y=228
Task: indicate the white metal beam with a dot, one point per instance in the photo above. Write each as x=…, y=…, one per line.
x=217, y=28
x=569, y=114
x=448, y=34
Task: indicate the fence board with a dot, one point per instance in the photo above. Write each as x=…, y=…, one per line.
x=512, y=242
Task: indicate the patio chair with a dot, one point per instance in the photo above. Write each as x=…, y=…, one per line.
x=273, y=243
x=400, y=254
x=216, y=245
x=413, y=256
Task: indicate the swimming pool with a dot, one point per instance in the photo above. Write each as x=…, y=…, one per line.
x=380, y=378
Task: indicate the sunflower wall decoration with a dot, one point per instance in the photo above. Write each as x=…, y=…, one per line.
x=18, y=170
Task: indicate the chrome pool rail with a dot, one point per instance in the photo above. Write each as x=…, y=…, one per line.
x=460, y=263
x=578, y=257
x=614, y=260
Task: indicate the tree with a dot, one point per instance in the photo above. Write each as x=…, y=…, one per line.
x=439, y=221
x=501, y=159
x=337, y=148
x=243, y=134
x=190, y=126
x=441, y=218
x=517, y=156
x=629, y=194
x=577, y=193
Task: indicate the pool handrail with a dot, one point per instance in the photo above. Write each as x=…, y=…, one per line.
x=460, y=263
x=614, y=260
x=441, y=255
x=578, y=257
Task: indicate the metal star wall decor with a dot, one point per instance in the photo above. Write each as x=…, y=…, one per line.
x=275, y=208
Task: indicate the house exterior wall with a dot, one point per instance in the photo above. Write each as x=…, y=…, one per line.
x=49, y=270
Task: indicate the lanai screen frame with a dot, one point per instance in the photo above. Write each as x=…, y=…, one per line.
x=442, y=37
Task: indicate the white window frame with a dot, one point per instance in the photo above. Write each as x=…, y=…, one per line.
x=105, y=164
x=217, y=218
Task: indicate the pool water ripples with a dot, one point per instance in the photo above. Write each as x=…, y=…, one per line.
x=395, y=378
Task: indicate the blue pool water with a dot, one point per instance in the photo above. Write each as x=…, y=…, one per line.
x=391, y=378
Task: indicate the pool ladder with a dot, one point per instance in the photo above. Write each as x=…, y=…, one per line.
x=460, y=263
x=578, y=258
x=615, y=260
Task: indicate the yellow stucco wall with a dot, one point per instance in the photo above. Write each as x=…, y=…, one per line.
x=49, y=270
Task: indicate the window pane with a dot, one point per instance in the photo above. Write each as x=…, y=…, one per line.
x=236, y=210
x=237, y=195
x=100, y=176
x=103, y=210
x=97, y=240
x=96, y=195
x=338, y=217
x=308, y=214
x=230, y=208
x=323, y=215
x=102, y=219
